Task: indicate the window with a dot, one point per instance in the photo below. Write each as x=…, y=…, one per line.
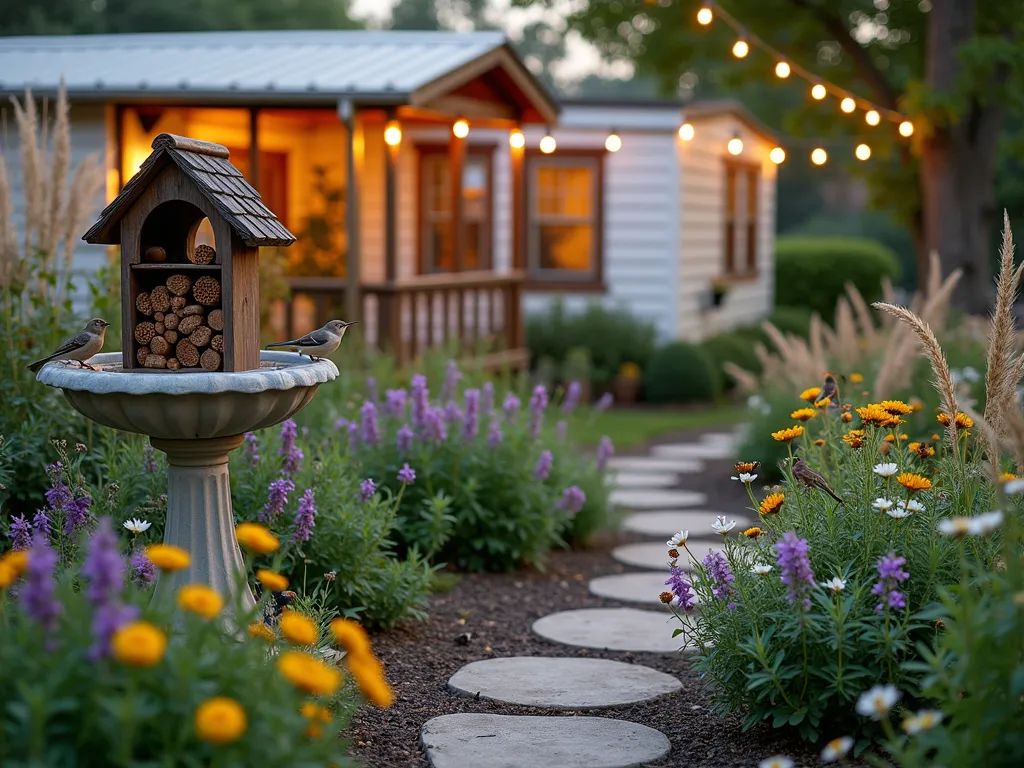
x=564, y=219
x=742, y=184
x=437, y=254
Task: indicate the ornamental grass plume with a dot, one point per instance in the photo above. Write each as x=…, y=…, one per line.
x=795, y=567
x=1004, y=367
x=305, y=518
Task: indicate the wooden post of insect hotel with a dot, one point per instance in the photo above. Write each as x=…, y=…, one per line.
x=189, y=306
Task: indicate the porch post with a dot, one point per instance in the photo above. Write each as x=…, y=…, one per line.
x=390, y=327
x=514, y=333
x=254, y=147
x=456, y=155
x=353, y=165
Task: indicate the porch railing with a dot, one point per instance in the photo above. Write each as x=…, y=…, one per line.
x=474, y=310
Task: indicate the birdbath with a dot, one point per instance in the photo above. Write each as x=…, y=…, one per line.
x=197, y=419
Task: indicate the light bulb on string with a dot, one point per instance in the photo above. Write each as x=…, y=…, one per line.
x=848, y=105
x=686, y=132
x=819, y=156
x=740, y=49
x=818, y=92
x=516, y=139
x=547, y=144
x=871, y=117
x=704, y=16
x=862, y=152
x=777, y=155
x=782, y=70
x=460, y=128
x=613, y=143
x=735, y=145
x=906, y=128
x=393, y=134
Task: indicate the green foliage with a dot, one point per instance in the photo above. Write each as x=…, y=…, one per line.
x=795, y=320
x=813, y=272
x=736, y=347
x=681, y=372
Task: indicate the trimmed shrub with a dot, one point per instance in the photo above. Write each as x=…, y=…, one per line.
x=681, y=372
x=812, y=272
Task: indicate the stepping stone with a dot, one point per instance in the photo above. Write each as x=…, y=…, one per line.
x=648, y=464
x=719, y=437
x=470, y=740
x=697, y=451
x=558, y=683
x=654, y=555
x=644, y=587
x=665, y=523
x=643, y=479
x=613, y=629
x=655, y=498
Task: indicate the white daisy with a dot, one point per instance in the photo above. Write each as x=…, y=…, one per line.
x=886, y=470
x=954, y=526
x=745, y=477
x=924, y=720
x=883, y=505
x=836, y=584
x=899, y=513
x=911, y=506
x=836, y=749
x=761, y=570
x=779, y=761
x=1014, y=486
x=721, y=526
x=137, y=526
x=677, y=539
x=983, y=525
x=877, y=701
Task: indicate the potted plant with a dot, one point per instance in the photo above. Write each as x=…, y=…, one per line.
x=626, y=386
x=719, y=290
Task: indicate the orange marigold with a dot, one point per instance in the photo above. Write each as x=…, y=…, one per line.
x=944, y=419
x=896, y=407
x=856, y=378
x=810, y=394
x=847, y=417
x=890, y=438
x=747, y=466
x=772, y=503
x=913, y=482
x=752, y=533
x=789, y=434
x=819, y=443
x=875, y=414
x=854, y=438
x=802, y=414
x=1006, y=477
x=963, y=421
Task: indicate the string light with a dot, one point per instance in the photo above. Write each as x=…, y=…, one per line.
x=613, y=143
x=704, y=16
x=393, y=134
x=847, y=105
x=777, y=155
x=818, y=92
x=871, y=117
x=460, y=128
x=548, y=144
x=819, y=156
x=516, y=139
x=906, y=128
x=740, y=49
x=735, y=145
x=686, y=132
x=782, y=70
x=863, y=152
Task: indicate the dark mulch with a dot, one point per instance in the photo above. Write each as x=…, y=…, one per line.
x=490, y=615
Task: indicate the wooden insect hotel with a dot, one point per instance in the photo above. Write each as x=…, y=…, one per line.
x=189, y=306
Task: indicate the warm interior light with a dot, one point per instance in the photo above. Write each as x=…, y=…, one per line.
x=819, y=156
x=686, y=132
x=735, y=145
x=777, y=155
x=848, y=105
x=740, y=49
x=871, y=117
x=460, y=128
x=704, y=16
x=906, y=128
x=818, y=92
x=548, y=144
x=782, y=69
x=516, y=139
x=863, y=151
x=393, y=134
x=613, y=143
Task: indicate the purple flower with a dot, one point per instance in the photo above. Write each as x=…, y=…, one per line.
x=487, y=399
x=721, y=575
x=305, y=518
x=605, y=449
x=572, y=397
x=890, y=576
x=434, y=430
x=511, y=406
x=573, y=499
x=604, y=403
x=37, y=595
x=292, y=453
x=370, y=430
x=394, y=402
x=452, y=374
x=252, y=448
x=494, y=436
x=106, y=620
x=54, y=470
x=59, y=496
x=41, y=523
x=149, y=459
x=560, y=429
x=353, y=436
x=366, y=489
x=142, y=569
x=453, y=414
x=538, y=404
x=77, y=514
x=372, y=391
x=682, y=589
x=341, y=423
x=420, y=401
x=406, y=475
x=543, y=468
x=104, y=570
x=20, y=532
x=405, y=438
x=276, y=499
x=471, y=428
x=795, y=567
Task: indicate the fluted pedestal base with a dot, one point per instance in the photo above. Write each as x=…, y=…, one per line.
x=199, y=517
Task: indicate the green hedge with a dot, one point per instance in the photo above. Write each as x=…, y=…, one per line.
x=681, y=372
x=812, y=272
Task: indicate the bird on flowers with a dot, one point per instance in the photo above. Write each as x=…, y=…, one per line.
x=812, y=479
x=319, y=343
x=830, y=390
x=274, y=609
x=79, y=347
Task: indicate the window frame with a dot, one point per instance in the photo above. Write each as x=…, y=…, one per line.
x=564, y=280
x=741, y=213
x=429, y=153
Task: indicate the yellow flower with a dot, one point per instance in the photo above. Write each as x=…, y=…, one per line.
x=789, y=434
x=802, y=414
x=629, y=371
x=168, y=558
x=944, y=419
x=369, y=674
x=913, y=482
x=1005, y=477
x=895, y=407
x=847, y=417
x=747, y=466
x=200, y=600
x=220, y=720
x=890, y=438
x=752, y=533
x=351, y=636
x=874, y=413
x=316, y=716
x=856, y=378
x=936, y=437
x=139, y=644
x=916, y=404
x=825, y=402
x=297, y=629
x=810, y=394
x=16, y=560
x=309, y=674
x=963, y=421
x=771, y=504
x=256, y=538
x=259, y=629
x=924, y=451
x=854, y=438
x=275, y=582
x=819, y=443
x=7, y=575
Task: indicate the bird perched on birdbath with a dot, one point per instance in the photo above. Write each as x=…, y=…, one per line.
x=79, y=347
x=320, y=342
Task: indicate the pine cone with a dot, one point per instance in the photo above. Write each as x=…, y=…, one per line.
x=159, y=346
x=178, y=284
x=217, y=343
x=201, y=336
x=192, y=309
x=177, y=302
x=187, y=353
x=171, y=321
x=155, y=361
x=161, y=299
x=202, y=254
x=143, y=304
x=156, y=255
x=144, y=331
x=207, y=291
x=173, y=364
x=171, y=336
x=216, y=319
x=189, y=324
x=141, y=354
x=210, y=360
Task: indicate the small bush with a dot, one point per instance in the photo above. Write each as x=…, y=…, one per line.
x=736, y=347
x=812, y=272
x=681, y=372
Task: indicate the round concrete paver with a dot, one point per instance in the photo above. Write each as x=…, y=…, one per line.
x=644, y=587
x=613, y=629
x=655, y=498
x=648, y=464
x=713, y=451
x=558, y=683
x=654, y=555
x=622, y=479
x=507, y=741
x=665, y=523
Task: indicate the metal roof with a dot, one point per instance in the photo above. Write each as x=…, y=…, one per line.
x=383, y=66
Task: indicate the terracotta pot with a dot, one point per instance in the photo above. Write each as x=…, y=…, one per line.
x=626, y=391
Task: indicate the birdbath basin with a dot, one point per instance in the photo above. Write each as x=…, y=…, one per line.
x=196, y=419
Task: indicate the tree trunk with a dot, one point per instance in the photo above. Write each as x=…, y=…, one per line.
x=958, y=167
